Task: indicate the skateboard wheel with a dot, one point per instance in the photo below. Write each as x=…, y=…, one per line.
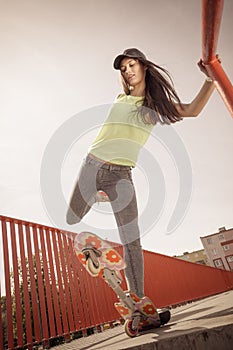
x=129, y=330
x=164, y=316
x=92, y=268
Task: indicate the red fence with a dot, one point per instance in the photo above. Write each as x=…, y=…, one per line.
x=45, y=294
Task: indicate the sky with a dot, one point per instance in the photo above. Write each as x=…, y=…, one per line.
x=56, y=63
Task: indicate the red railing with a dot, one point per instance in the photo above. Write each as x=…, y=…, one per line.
x=211, y=21
x=45, y=293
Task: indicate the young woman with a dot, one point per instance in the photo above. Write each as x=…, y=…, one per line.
x=149, y=98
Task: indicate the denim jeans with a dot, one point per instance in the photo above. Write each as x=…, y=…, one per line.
x=116, y=182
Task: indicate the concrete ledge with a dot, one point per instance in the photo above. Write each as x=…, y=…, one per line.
x=206, y=324
x=211, y=339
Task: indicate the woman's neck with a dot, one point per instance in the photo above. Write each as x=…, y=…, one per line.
x=138, y=90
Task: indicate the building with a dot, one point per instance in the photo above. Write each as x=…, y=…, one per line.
x=219, y=248
x=198, y=256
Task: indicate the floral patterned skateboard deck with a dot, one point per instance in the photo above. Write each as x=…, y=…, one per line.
x=145, y=307
x=109, y=257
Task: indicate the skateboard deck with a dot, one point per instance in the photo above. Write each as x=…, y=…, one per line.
x=145, y=307
x=109, y=257
x=98, y=257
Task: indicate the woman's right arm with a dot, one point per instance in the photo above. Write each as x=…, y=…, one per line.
x=194, y=108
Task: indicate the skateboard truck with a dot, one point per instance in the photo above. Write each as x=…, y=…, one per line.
x=129, y=301
x=93, y=254
x=114, y=280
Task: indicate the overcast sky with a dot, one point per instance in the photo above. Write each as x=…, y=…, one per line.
x=56, y=61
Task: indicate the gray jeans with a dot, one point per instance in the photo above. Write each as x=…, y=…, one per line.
x=116, y=182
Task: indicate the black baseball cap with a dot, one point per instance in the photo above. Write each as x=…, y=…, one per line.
x=134, y=53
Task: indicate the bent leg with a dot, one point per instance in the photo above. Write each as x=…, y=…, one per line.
x=83, y=195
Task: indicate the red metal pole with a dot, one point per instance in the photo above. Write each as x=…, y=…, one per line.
x=47, y=284
x=60, y=285
x=222, y=83
x=53, y=283
x=66, y=290
x=44, y=322
x=211, y=20
x=34, y=296
x=18, y=303
x=9, y=310
x=81, y=296
x=26, y=296
x=1, y=328
x=71, y=280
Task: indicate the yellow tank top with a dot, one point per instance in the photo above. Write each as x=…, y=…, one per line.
x=123, y=134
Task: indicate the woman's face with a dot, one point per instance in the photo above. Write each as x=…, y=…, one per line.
x=133, y=71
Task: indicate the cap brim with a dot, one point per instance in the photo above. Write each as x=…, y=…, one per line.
x=117, y=61
x=119, y=58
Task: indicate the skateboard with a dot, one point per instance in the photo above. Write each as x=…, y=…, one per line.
x=100, y=259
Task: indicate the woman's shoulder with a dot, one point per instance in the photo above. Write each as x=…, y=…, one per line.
x=120, y=97
x=129, y=99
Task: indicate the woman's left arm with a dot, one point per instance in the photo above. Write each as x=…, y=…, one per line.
x=194, y=108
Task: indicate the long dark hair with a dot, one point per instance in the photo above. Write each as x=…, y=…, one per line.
x=160, y=96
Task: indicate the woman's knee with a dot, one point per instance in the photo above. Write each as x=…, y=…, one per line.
x=72, y=218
